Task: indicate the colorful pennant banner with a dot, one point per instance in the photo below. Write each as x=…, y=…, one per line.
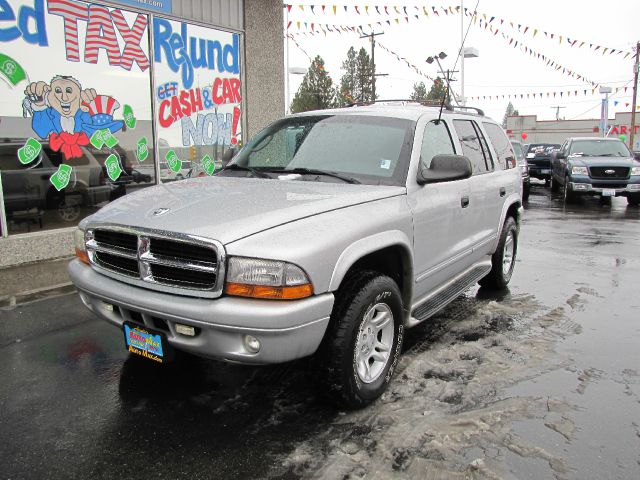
x=407, y=12
x=556, y=94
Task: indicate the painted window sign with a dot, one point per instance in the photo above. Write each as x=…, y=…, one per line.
x=198, y=95
x=76, y=109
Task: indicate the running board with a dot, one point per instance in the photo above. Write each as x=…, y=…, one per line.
x=447, y=294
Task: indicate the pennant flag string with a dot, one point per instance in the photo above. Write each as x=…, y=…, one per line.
x=363, y=10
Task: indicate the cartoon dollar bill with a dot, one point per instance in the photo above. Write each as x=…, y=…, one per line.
x=142, y=149
x=61, y=178
x=208, y=165
x=129, y=117
x=99, y=138
x=175, y=164
x=110, y=141
x=30, y=151
x=113, y=167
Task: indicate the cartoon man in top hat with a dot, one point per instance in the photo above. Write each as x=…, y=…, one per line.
x=67, y=114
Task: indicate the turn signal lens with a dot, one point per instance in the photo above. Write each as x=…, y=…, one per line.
x=82, y=256
x=635, y=170
x=269, y=293
x=81, y=248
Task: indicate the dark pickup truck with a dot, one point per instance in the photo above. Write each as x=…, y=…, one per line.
x=596, y=166
x=539, y=160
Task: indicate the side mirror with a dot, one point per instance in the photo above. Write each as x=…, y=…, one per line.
x=636, y=155
x=445, y=168
x=228, y=155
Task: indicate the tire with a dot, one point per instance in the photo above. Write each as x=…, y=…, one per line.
x=555, y=188
x=354, y=367
x=526, y=190
x=547, y=181
x=634, y=200
x=68, y=209
x=504, y=258
x=567, y=194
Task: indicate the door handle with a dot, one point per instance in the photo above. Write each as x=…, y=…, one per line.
x=503, y=191
x=464, y=202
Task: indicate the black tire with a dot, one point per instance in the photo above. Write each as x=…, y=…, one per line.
x=555, y=188
x=567, y=194
x=634, y=200
x=341, y=382
x=526, y=190
x=547, y=181
x=498, y=277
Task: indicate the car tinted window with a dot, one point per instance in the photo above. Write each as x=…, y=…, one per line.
x=436, y=141
x=501, y=145
x=599, y=148
x=372, y=149
x=472, y=148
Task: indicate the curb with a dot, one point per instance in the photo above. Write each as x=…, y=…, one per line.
x=9, y=302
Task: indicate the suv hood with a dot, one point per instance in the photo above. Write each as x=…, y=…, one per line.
x=604, y=161
x=227, y=209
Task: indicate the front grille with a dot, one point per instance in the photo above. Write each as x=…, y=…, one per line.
x=113, y=239
x=183, y=277
x=540, y=162
x=118, y=264
x=614, y=172
x=608, y=185
x=186, y=251
x=177, y=264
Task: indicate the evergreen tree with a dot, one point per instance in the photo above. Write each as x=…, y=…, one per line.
x=511, y=111
x=356, y=84
x=438, y=91
x=419, y=92
x=316, y=91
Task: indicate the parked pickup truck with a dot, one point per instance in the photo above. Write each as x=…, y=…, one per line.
x=596, y=166
x=328, y=234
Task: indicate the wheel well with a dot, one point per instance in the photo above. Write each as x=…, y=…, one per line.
x=393, y=261
x=514, y=211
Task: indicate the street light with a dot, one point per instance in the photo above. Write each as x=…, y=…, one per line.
x=292, y=71
x=439, y=56
x=604, y=110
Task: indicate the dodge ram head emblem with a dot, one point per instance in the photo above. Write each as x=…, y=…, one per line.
x=160, y=211
x=609, y=172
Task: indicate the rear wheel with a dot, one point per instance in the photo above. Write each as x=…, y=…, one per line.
x=526, y=190
x=504, y=259
x=360, y=351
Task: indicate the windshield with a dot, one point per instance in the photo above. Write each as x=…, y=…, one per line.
x=542, y=149
x=599, y=148
x=368, y=149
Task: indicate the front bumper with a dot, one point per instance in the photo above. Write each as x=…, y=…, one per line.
x=541, y=173
x=287, y=330
x=617, y=190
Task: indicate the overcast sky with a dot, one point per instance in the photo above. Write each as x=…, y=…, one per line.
x=500, y=69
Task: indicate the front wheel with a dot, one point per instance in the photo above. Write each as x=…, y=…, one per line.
x=634, y=199
x=504, y=258
x=362, y=344
x=555, y=188
x=567, y=193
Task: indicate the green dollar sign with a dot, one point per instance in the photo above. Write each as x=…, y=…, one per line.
x=113, y=167
x=173, y=161
x=208, y=165
x=142, y=149
x=61, y=178
x=30, y=151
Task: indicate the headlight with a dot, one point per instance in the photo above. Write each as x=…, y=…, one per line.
x=635, y=170
x=266, y=279
x=81, y=247
x=579, y=171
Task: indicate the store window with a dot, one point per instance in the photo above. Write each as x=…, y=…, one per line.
x=75, y=110
x=198, y=97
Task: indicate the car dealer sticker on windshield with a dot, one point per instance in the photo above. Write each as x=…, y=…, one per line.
x=386, y=164
x=146, y=343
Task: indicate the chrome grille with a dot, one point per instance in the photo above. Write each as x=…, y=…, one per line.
x=609, y=172
x=164, y=261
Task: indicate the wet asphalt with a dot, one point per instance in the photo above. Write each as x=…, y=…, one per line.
x=74, y=404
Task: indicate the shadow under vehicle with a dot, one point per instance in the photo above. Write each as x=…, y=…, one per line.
x=30, y=197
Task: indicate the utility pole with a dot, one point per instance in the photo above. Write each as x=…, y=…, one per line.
x=373, y=61
x=635, y=91
x=558, y=107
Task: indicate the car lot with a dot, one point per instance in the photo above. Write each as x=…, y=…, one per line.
x=539, y=381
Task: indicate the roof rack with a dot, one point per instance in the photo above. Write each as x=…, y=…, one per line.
x=477, y=110
x=426, y=103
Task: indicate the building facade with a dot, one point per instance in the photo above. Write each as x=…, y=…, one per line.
x=101, y=99
x=557, y=131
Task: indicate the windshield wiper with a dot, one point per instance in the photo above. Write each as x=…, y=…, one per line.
x=606, y=155
x=313, y=171
x=253, y=171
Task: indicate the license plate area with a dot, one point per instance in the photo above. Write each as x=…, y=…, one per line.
x=609, y=192
x=147, y=342
x=545, y=170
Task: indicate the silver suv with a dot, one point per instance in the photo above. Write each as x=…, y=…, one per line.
x=328, y=234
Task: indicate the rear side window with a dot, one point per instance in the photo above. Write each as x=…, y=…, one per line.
x=501, y=145
x=436, y=141
x=474, y=146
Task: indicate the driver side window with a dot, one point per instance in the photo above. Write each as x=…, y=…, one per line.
x=436, y=141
